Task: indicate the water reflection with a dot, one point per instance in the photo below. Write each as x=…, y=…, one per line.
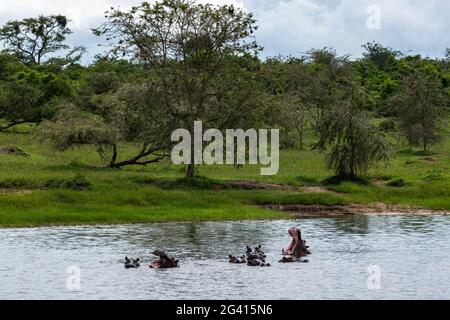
x=342, y=249
x=352, y=224
x=423, y=224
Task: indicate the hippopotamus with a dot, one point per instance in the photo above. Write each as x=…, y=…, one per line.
x=286, y=259
x=164, y=261
x=255, y=253
x=304, y=248
x=257, y=262
x=297, y=249
x=256, y=257
x=131, y=263
x=238, y=260
x=253, y=257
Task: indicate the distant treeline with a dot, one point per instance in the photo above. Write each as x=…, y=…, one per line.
x=175, y=62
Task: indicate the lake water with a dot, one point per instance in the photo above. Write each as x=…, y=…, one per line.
x=357, y=257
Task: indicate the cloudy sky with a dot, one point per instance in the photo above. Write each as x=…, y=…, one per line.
x=287, y=27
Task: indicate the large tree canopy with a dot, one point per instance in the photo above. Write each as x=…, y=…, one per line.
x=198, y=54
x=173, y=62
x=351, y=141
x=421, y=104
x=32, y=39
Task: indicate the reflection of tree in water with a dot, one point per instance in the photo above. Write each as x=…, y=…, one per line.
x=196, y=240
x=218, y=240
x=353, y=224
x=201, y=240
x=192, y=234
x=424, y=224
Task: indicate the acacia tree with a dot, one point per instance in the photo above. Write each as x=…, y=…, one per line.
x=352, y=143
x=193, y=50
x=287, y=80
x=421, y=104
x=382, y=57
x=329, y=73
x=32, y=39
x=124, y=115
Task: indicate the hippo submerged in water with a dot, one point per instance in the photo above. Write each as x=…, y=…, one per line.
x=237, y=260
x=256, y=257
x=253, y=257
x=287, y=259
x=131, y=263
x=164, y=261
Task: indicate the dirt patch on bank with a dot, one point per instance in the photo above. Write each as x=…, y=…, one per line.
x=15, y=192
x=252, y=185
x=303, y=211
x=317, y=190
x=379, y=182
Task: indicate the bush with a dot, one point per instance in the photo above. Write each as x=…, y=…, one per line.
x=336, y=180
x=184, y=183
x=79, y=182
x=20, y=183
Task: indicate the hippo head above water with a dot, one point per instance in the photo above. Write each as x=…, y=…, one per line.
x=234, y=259
x=132, y=263
x=164, y=262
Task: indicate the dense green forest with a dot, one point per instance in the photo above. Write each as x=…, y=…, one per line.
x=172, y=63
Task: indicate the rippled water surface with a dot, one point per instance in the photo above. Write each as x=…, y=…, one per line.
x=411, y=252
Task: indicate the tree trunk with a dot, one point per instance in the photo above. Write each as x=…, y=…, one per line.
x=300, y=134
x=114, y=156
x=12, y=124
x=425, y=145
x=190, y=172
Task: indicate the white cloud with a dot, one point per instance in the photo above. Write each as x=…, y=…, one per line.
x=294, y=26
x=286, y=26
x=82, y=12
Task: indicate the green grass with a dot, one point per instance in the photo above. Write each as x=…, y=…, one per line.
x=44, y=188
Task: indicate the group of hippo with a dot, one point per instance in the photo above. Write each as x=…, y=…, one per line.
x=252, y=257
x=165, y=261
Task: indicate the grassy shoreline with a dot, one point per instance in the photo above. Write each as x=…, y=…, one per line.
x=51, y=188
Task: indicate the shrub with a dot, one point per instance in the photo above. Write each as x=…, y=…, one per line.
x=19, y=183
x=336, y=180
x=78, y=182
